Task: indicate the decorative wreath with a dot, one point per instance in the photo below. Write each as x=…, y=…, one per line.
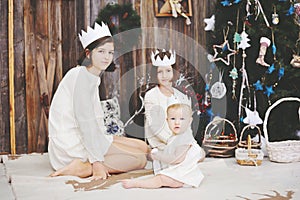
x=119, y=17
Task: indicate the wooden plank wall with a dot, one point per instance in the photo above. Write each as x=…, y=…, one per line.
x=169, y=33
x=4, y=100
x=46, y=46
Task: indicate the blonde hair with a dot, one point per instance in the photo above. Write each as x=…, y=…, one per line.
x=182, y=106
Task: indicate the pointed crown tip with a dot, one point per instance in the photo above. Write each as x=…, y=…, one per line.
x=93, y=34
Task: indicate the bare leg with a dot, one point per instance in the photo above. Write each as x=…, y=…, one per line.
x=75, y=168
x=122, y=158
x=125, y=154
x=157, y=181
x=134, y=143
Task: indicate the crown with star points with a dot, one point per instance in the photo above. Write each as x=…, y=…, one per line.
x=178, y=100
x=93, y=34
x=165, y=61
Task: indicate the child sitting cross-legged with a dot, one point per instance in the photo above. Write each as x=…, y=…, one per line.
x=178, y=164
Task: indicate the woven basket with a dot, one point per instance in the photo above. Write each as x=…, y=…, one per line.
x=283, y=151
x=244, y=143
x=249, y=156
x=219, y=145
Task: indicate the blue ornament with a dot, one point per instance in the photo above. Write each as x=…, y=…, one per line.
x=269, y=90
x=258, y=85
x=271, y=69
x=237, y=1
x=280, y=73
x=241, y=119
x=234, y=73
x=290, y=11
x=225, y=3
x=274, y=49
x=209, y=112
x=206, y=87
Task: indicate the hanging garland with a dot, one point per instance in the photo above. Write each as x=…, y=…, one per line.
x=119, y=18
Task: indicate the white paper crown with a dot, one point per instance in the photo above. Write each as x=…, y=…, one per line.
x=92, y=35
x=178, y=100
x=165, y=61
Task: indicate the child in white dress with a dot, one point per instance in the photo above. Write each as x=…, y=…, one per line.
x=157, y=131
x=178, y=164
x=78, y=143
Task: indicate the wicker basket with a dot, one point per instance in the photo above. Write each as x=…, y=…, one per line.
x=249, y=156
x=283, y=151
x=219, y=145
x=244, y=143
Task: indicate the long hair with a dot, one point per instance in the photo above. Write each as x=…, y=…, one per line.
x=83, y=61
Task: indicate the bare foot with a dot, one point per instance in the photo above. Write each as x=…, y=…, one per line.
x=75, y=168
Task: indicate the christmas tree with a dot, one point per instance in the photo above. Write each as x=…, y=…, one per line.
x=253, y=43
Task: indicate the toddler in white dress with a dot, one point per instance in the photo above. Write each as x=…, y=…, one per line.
x=176, y=165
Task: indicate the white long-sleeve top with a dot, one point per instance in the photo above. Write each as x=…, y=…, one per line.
x=157, y=131
x=76, y=125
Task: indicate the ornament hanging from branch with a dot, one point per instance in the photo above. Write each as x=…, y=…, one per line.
x=264, y=44
x=222, y=56
x=244, y=41
x=210, y=23
x=218, y=89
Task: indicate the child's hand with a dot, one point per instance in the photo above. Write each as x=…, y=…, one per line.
x=153, y=153
x=99, y=171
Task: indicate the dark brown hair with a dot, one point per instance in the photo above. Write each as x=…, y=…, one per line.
x=101, y=41
x=154, y=69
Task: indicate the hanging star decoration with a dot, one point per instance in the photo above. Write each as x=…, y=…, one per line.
x=225, y=3
x=237, y=1
x=210, y=23
x=280, y=73
x=244, y=41
x=269, y=90
x=233, y=73
x=291, y=10
x=252, y=117
x=274, y=49
x=225, y=48
x=270, y=69
x=209, y=112
x=258, y=85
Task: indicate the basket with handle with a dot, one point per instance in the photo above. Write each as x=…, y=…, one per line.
x=249, y=156
x=282, y=151
x=219, y=145
x=244, y=143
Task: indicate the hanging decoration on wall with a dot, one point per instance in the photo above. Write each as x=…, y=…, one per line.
x=252, y=117
x=243, y=44
x=210, y=23
x=275, y=16
x=218, y=89
x=264, y=44
x=295, y=62
x=225, y=53
x=255, y=46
